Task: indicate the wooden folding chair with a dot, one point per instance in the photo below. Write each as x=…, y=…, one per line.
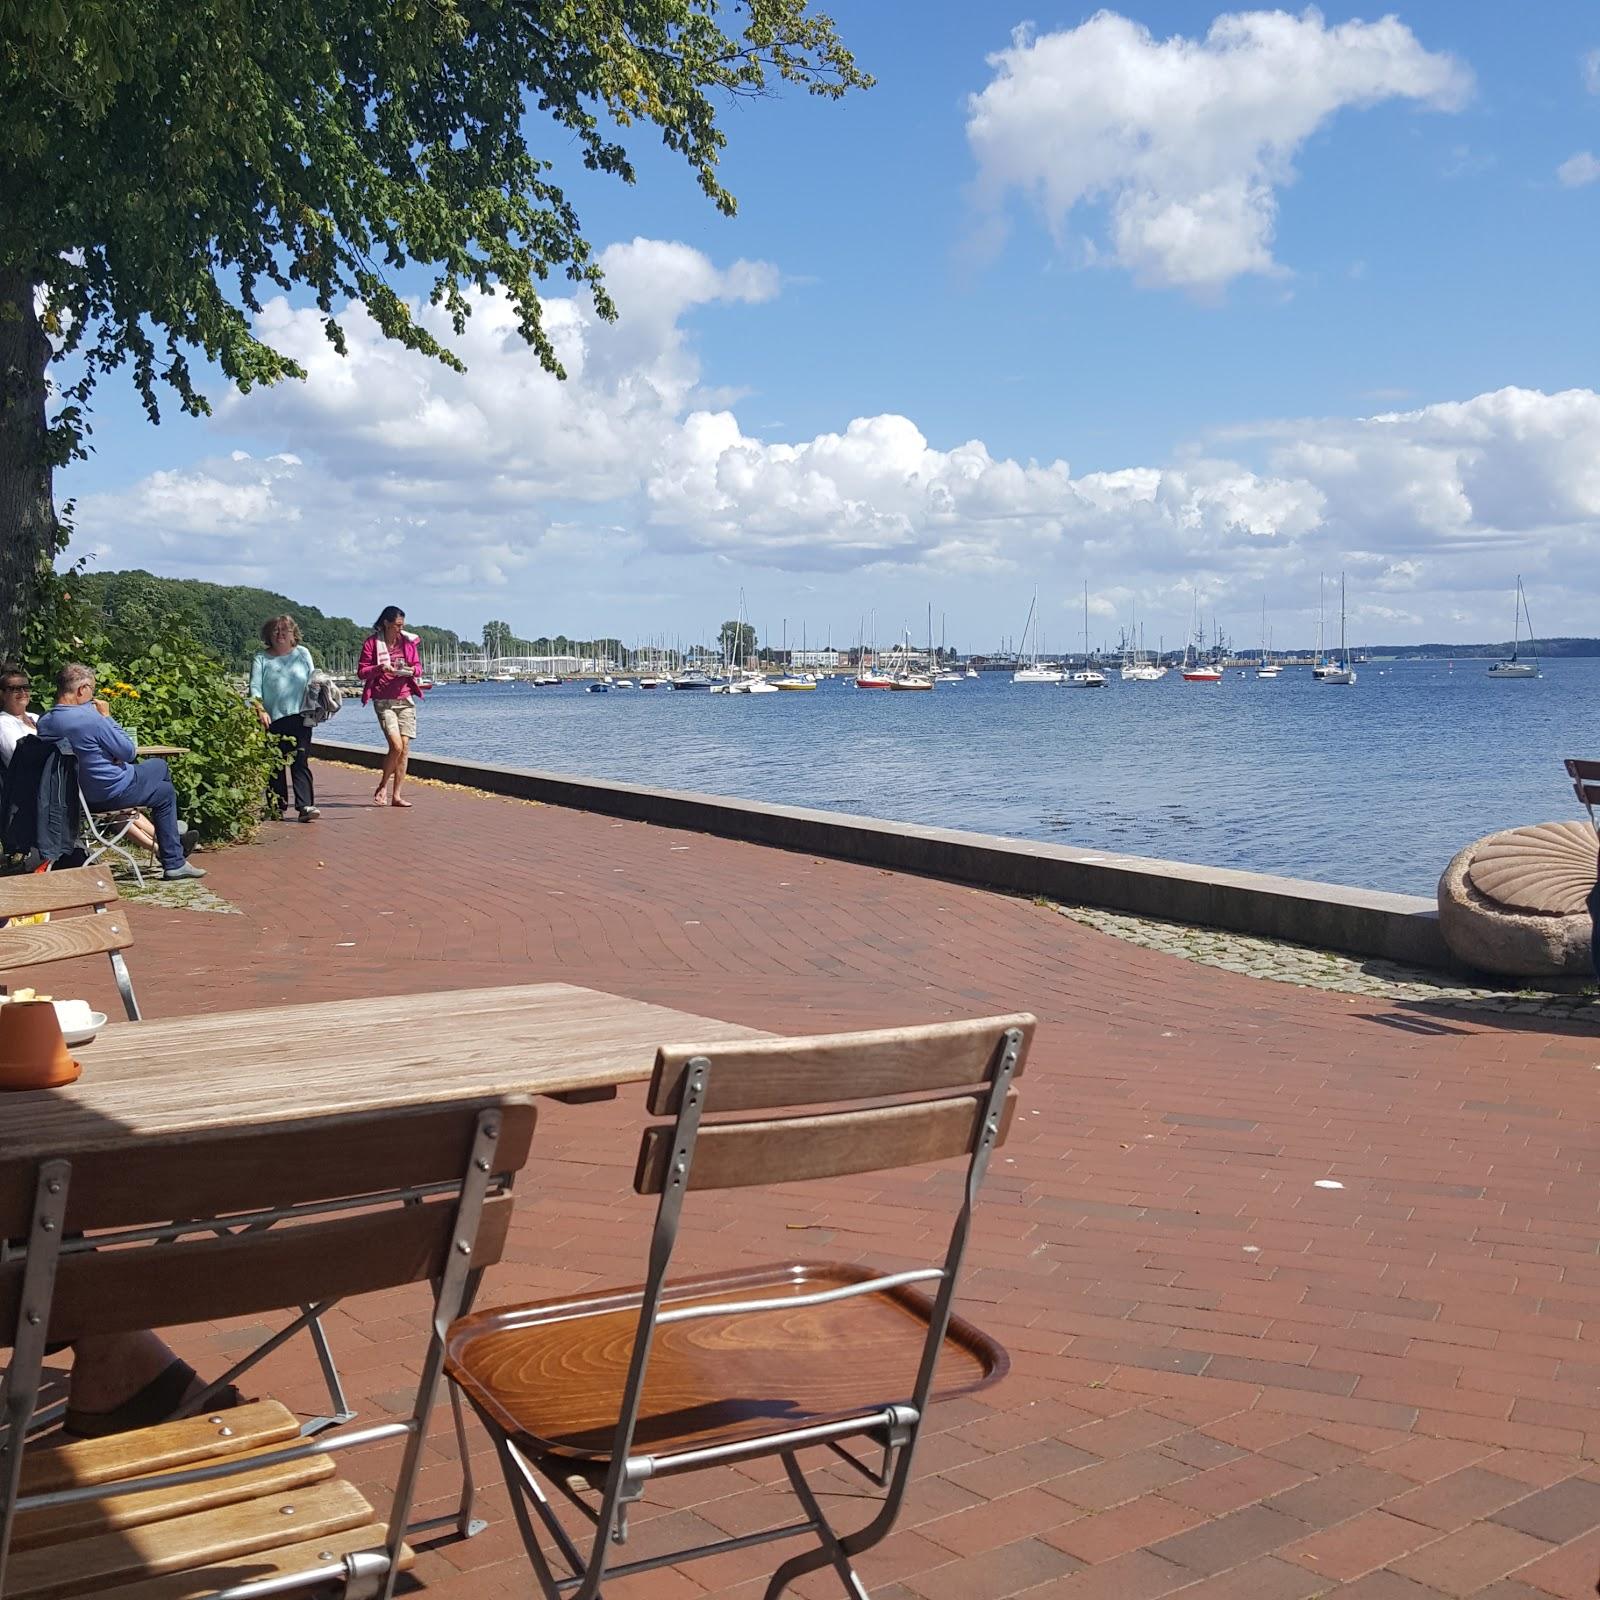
x=36, y=944
x=26, y=894
x=236, y=1504
x=608, y=1391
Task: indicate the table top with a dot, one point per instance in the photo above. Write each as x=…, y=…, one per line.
x=144, y=750
x=281, y=1063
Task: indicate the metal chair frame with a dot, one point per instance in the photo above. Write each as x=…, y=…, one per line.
x=894, y=1428
x=102, y=843
x=367, y=1575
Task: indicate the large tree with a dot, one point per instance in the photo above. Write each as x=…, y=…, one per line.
x=165, y=162
x=737, y=642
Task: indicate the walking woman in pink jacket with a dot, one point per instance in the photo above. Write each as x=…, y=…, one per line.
x=390, y=670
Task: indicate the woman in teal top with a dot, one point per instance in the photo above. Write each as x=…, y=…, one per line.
x=278, y=678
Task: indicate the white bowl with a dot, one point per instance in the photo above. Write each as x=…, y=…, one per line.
x=79, y=1024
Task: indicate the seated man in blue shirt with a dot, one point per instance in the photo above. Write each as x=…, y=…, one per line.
x=108, y=774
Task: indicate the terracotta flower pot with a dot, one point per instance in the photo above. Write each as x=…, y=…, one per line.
x=33, y=1055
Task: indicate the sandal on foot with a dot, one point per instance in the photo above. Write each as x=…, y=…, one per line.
x=405, y=805
x=156, y=1402
x=378, y=799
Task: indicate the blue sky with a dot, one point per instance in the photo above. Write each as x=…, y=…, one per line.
x=1160, y=299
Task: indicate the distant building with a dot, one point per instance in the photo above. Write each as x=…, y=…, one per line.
x=549, y=666
x=816, y=658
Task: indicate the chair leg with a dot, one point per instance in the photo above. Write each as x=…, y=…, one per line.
x=519, y=1507
x=830, y=1548
x=338, y=1405
x=119, y=970
x=833, y=1550
x=466, y=1524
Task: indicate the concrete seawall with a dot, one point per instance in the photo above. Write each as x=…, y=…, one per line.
x=1361, y=922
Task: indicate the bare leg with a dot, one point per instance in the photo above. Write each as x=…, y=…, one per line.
x=392, y=759
x=400, y=772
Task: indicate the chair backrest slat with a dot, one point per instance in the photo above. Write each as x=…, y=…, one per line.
x=39, y=943
x=208, y=1279
x=26, y=893
x=828, y=1068
x=1587, y=771
x=292, y=1164
x=797, y=1149
x=364, y=1163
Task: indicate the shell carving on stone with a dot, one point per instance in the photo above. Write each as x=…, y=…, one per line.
x=1548, y=869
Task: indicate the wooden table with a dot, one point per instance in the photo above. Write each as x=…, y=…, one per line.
x=282, y=1063
x=143, y=750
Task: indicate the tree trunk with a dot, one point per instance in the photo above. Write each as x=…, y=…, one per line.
x=28, y=527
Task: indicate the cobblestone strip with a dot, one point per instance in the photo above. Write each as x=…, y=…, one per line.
x=1324, y=969
x=179, y=896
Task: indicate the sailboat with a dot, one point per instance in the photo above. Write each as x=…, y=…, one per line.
x=1033, y=672
x=1268, y=668
x=1196, y=669
x=1515, y=668
x=905, y=675
x=872, y=677
x=1343, y=672
x=1088, y=678
x=792, y=679
x=1321, y=666
x=1138, y=666
x=947, y=674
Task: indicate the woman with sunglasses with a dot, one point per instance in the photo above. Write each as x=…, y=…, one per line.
x=15, y=722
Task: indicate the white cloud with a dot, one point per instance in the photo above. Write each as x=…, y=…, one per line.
x=1578, y=170
x=502, y=484
x=1186, y=142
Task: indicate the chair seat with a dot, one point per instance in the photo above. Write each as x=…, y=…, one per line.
x=552, y=1373
x=172, y=1544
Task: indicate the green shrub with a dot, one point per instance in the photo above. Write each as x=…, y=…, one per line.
x=177, y=692
x=164, y=687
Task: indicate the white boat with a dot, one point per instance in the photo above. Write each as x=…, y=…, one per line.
x=691, y=680
x=1033, y=672
x=1341, y=672
x=1268, y=668
x=1139, y=666
x=1513, y=667
x=1088, y=677
x=901, y=673
x=971, y=672
x=1195, y=668
x=801, y=680
x=1321, y=666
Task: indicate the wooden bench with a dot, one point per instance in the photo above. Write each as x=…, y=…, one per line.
x=308, y=1212
x=103, y=930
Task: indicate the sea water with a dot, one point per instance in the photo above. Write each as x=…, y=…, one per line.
x=1377, y=784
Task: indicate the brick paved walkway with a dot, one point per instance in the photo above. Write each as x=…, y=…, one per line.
x=1228, y=1381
